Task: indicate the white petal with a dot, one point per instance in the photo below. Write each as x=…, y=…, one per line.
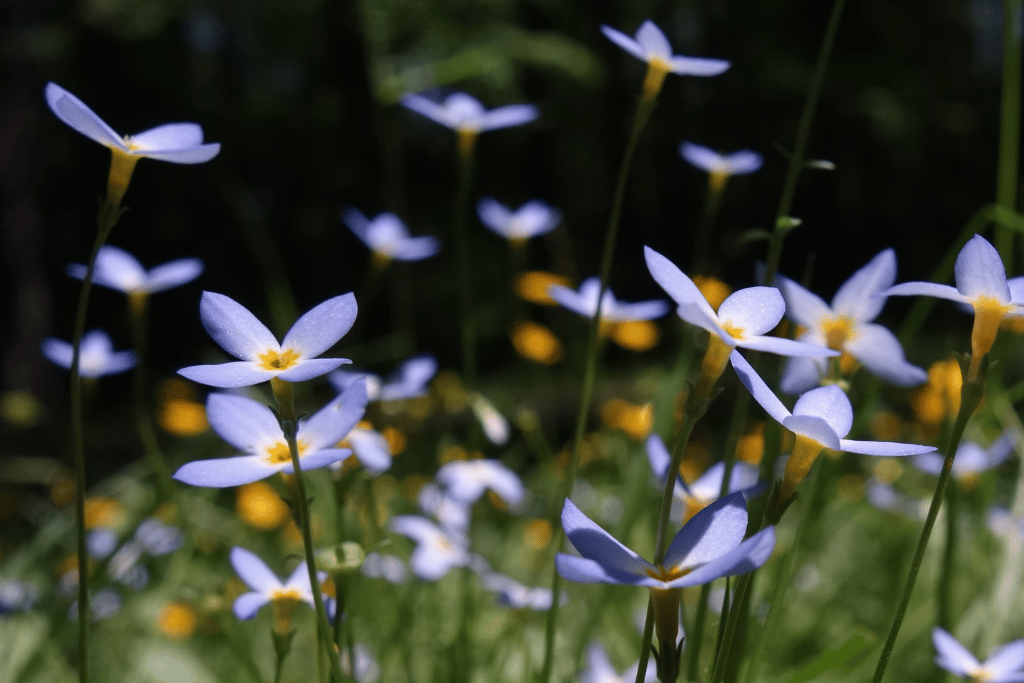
x=653, y=42
x=625, y=42
x=234, y=328
x=170, y=137
x=335, y=420
x=118, y=269
x=814, y=428
x=173, y=274
x=743, y=162
x=675, y=283
x=890, y=448
x=308, y=369
x=746, y=557
x=57, y=351
x=755, y=310
x=802, y=306
x=802, y=373
x=76, y=114
x=241, y=373
x=711, y=533
x=955, y=657
x=416, y=249
x=317, y=459
x=508, y=116
x=596, y=544
x=248, y=604
x=926, y=289
x=785, y=347
x=494, y=215
x=371, y=448
x=242, y=422
x=856, y=298
x=698, y=66
x=830, y=404
x=1006, y=661
x=224, y=472
x=880, y=352
x=322, y=327
x=428, y=108
x=758, y=389
x=582, y=570
x=702, y=157
x=980, y=272
x=194, y=155
x=253, y=571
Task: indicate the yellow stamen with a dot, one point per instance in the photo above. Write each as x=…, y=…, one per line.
x=837, y=331
x=666, y=602
x=805, y=452
x=657, y=69
x=278, y=454
x=692, y=506
x=272, y=360
x=988, y=314
x=121, y=167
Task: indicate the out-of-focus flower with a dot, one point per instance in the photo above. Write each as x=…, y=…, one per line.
x=529, y=220
x=467, y=117
x=117, y=269
x=511, y=593
x=96, y=355
x=651, y=46
x=706, y=489
x=970, y=460
x=409, y=381
x=367, y=670
x=388, y=238
x=981, y=284
x=635, y=420
x=820, y=419
x=452, y=513
x=387, y=567
x=536, y=342
x=267, y=588
x=259, y=506
x=437, y=550
x=720, y=166
x=1006, y=665
x=635, y=335
x=585, y=302
x=369, y=447
x=939, y=398
x=710, y=546
x=238, y=332
x=534, y=286
x=253, y=428
x=1002, y=523
x=177, y=620
x=17, y=596
x=494, y=424
x=179, y=143
x=846, y=326
x=466, y=480
x=599, y=669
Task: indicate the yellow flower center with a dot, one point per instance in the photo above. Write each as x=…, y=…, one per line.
x=284, y=603
x=278, y=454
x=838, y=331
x=272, y=360
x=988, y=314
x=657, y=69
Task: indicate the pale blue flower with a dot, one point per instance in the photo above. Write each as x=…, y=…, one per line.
x=585, y=302
x=117, y=269
x=651, y=46
x=465, y=114
x=846, y=326
x=255, y=430
x=707, y=159
x=437, y=550
x=387, y=236
x=1006, y=665
x=179, y=143
x=388, y=567
x=265, y=586
x=529, y=220
x=238, y=332
x=467, y=480
x=96, y=355
x=971, y=459
x=409, y=381
x=510, y=593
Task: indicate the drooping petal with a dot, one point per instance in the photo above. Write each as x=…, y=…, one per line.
x=410, y=380
x=170, y=137
x=253, y=571
x=711, y=533
x=653, y=42
x=334, y=421
x=596, y=544
x=814, y=428
x=118, y=361
x=317, y=459
x=698, y=66
x=926, y=289
x=979, y=271
x=632, y=312
x=758, y=389
x=228, y=375
x=508, y=116
x=880, y=352
x=952, y=656
x=57, y=351
x=432, y=110
x=195, y=155
x=223, y=472
x=115, y=268
x=856, y=297
x=746, y=557
x=830, y=404
x=802, y=306
x=625, y=42
x=371, y=448
x=79, y=116
x=320, y=328
x=582, y=570
x=248, y=604
x=675, y=283
x=357, y=223
x=755, y=310
x=310, y=368
x=242, y=422
x=890, y=448
x=173, y=274
x=660, y=460
x=234, y=328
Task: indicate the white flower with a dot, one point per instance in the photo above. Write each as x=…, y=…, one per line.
x=529, y=220
x=117, y=269
x=1006, y=665
x=387, y=236
x=584, y=302
x=465, y=114
x=706, y=159
x=466, y=480
x=437, y=551
x=96, y=355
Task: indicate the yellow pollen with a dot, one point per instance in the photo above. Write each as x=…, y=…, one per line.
x=734, y=332
x=278, y=454
x=272, y=360
x=838, y=331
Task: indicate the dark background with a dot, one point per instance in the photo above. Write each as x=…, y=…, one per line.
x=302, y=97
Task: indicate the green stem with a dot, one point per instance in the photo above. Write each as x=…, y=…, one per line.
x=945, y=618
x=738, y=602
x=643, y=113
x=284, y=395
x=712, y=203
x=465, y=279
x=106, y=219
x=803, y=131
x=970, y=396
x=1009, y=126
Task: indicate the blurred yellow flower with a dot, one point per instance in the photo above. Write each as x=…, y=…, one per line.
x=537, y=533
x=940, y=396
x=259, y=506
x=635, y=420
x=537, y=343
x=713, y=289
x=102, y=511
x=750, y=447
x=635, y=335
x=176, y=620
x=533, y=286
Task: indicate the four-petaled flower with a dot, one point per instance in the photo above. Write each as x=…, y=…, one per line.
x=529, y=220
x=1006, y=665
x=467, y=117
x=710, y=546
x=238, y=332
x=388, y=238
x=267, y=588
x=253, y=428
x=720, y=166
x=585, y=300
x=117, y=269
x=981, y=284
x=970, y=460
x=96, y=355
x=437, y=550
x=820, y=419
x=466, y=480
x=179, y=143
x=409, y=381
x=846, y=326
x=652, y=46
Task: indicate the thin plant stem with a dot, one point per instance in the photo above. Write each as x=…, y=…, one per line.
x=465, y=276
x=736, y=608
x=970, y=396
x=712, y=204
x=106, y=219
x=643, y=113
x=1009, y=127
x=645, y=644
x=945, y=617
x=803, y=131
x=284, y=396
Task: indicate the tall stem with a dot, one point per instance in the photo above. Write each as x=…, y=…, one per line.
x=643, y=113
x=465, y=281
x=970, y=396
x=1009, y=127
x=803, y=131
